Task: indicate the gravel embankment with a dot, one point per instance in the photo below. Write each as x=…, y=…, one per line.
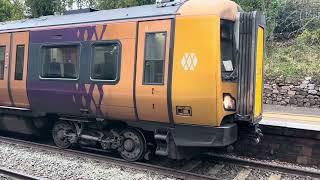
x=50, y=165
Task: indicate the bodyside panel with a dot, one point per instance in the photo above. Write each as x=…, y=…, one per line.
x=196, y=58
x=84, y=96
x=118, y=98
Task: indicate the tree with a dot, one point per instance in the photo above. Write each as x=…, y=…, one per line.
x=296, y=16
x=85, y=3
x=270, y=9
x=37, y=8
x=10, y=10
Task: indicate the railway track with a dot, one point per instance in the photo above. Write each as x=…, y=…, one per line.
x=183, y=169
x=267, y=165
x=10, y=174
x=178, y=174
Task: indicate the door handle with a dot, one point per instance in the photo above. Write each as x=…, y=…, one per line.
x=84, y=111
x=152, y=90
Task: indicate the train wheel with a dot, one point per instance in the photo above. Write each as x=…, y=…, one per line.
x=134, y=145
x=60, y=133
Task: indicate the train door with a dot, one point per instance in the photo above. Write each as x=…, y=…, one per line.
x=152, y=70
x=18, y=69
x=4, y=64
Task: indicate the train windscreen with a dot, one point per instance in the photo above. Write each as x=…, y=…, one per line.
x=227, y=50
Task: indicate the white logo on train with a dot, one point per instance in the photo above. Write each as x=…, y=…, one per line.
x=189, y=62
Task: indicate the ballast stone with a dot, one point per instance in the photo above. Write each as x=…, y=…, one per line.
x=313, y=92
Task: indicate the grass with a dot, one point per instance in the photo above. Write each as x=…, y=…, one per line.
x=295, y=58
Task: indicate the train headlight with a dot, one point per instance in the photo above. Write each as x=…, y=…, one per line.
x=229, y=102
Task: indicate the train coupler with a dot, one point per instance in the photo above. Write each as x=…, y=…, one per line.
x=250, y=132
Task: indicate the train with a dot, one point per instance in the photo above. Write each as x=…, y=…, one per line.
x=152, y=79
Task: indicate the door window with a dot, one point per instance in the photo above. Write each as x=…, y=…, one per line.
x=2, y=61
x=155, y=45
x=19, y=62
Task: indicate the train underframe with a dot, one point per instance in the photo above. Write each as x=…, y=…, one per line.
x=134, y=141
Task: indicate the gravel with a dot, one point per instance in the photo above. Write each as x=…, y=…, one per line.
x=50, y=165
x=259, y=174
x=272, y=162
x=4, y=177
x=229, y=171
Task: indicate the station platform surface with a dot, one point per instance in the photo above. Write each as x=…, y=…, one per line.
x=291, y=117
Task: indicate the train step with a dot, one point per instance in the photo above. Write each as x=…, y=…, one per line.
x=162, y=139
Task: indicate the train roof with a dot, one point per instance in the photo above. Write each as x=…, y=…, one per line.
x=226, y=9
x=144, y=11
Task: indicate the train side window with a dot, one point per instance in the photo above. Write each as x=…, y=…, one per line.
x=105, y=64
x=60, y=62
x=155, y=45
x=18, y=75
x=2, y=61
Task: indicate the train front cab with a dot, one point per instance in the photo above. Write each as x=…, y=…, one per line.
x=217, y=75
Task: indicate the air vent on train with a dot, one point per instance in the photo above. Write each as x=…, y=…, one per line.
x=250, y=73
x=165, y=3
x=80, y=11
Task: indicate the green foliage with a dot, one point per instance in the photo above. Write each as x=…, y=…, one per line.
x=309, y=38
x=270, y=9
x=297, y=15
x=111, y=4
x=296, y=58
x=10, y=10
x=40, y=7
x=251, y=5
x=293, y=36
x=37, y=8
x=83, y=3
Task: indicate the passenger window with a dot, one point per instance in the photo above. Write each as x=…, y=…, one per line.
x=155, y=46
x=105, y=63
x=2, y=61
x=60, y=62
x=19, y=62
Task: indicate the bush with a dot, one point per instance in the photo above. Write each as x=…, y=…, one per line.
x=310, y=38
x=270, y=9
x=295, y=58
x=295, y=16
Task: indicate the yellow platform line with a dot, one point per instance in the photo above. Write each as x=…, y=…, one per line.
x=296, y=117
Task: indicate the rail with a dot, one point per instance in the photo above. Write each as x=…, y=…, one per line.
x=266, y=165
x=17, y=175
x=178, y=173
x=117, y=161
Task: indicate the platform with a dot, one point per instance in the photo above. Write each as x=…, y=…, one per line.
x=291, y=117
